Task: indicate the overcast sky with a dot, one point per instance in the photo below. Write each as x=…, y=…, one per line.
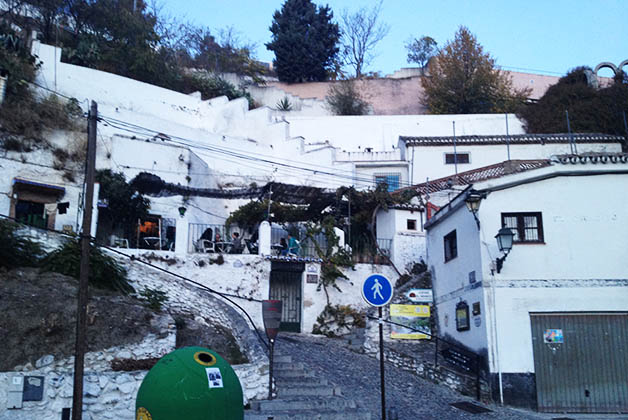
x=543, y=36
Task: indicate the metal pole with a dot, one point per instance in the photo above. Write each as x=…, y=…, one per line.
x=572, y=143
x=270, y=374
x=270, y=198
x=507, y=137
x=81, y=312
x=349, y=239
x=381, y=363
x=436, y=353
x=625, y=128
x=455, y=153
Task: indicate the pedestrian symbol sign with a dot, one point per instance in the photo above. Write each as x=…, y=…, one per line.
x=377, y=290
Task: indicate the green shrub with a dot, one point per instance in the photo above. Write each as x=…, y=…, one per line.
x=16, y=251
x=104, y=271
x=153, y=299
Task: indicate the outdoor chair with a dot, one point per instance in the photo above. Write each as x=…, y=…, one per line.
x=204, y=245
x=295, y=251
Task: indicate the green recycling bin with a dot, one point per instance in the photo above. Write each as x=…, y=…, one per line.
x=191, y=383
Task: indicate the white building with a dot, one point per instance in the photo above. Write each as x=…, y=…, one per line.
x=552, y=318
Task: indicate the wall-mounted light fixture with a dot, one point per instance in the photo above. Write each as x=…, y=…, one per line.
x=182, y=211
x=473, y=200
x=504, y=243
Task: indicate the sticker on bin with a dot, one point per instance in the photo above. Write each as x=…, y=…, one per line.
x=214, y=377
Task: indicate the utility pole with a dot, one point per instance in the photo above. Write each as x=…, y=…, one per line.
x=81, y=310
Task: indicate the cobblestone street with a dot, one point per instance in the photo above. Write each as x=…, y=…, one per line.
x=358, y=377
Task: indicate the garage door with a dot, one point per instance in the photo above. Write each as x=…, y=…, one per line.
x=581, y=361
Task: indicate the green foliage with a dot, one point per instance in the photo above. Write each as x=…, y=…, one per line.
x=304, y=40
x=212, y=86
x=124, y=204
x=463, y=80
x=255, y=212
x=284, y=104
x=338, y=319
x=104, y=271
x=344, y=98
x=421, y=50
x=16, y=251
x=590, y=110
x=153, y=299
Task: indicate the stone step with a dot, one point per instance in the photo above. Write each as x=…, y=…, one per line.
x=277, y=358
x=288, y=366
x=297, y=381
x=327, y=403
x=292, y=373
x=352, y=414
x=308, y=390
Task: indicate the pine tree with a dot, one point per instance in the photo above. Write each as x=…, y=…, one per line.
x=304, y=41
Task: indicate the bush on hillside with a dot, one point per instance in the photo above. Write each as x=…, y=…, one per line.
x=104, y=271
x=16, y=251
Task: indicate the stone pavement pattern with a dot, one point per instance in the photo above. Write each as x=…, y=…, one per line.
x=354, y=378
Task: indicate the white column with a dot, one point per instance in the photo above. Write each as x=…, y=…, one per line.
x=181, y=238
x=264, y=238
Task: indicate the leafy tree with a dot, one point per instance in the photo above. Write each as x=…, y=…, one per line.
x=124, y=204
x=420, y=50
x=16, y=251
x=590, y=110
x=361, y=32
x=304, y=40
x=463, y=80
x=344, y=98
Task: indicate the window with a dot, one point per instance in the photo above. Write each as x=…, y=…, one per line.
x=527, y=227
x=450, y=158
x=411, y=224
x=392, y=180
x=451, y=247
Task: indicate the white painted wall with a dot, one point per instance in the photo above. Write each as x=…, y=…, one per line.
x=581, y=267
x=514, y=305
x=408, y=246
x=381, y=132
x=429, y=161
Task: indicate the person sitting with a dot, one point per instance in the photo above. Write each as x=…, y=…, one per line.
x=207, y=234
x=293, y=246
x=217, y=238
x=236, y=243
x=283, y=247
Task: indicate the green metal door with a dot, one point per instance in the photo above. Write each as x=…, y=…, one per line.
x=581, y=362
x=285, y=285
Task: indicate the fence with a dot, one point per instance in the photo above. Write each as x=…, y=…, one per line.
x=307, y=248
x=197, y=231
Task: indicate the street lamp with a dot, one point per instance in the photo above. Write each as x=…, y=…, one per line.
x=504, y=243
x=473, y=200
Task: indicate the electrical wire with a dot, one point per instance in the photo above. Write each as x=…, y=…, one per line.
x=144, y=131
x=225, y=296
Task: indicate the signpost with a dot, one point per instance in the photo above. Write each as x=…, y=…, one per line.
x=377, y=291
x=271, y=314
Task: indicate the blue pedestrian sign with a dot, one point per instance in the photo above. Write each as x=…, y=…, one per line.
x=377, y=290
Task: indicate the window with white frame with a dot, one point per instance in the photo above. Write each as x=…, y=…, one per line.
x=527, y=227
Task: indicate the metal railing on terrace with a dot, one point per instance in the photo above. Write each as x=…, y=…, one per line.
x=307, y=248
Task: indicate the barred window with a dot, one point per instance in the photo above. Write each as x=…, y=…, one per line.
x=451, y=158
x=527, y=227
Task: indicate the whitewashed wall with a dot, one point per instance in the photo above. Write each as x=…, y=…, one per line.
x=429, y=161
x=451, y=280
x=381, y=132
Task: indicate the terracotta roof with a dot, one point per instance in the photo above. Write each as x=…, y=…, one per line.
x=411, y=207
x=480, y=174
x=514, y=139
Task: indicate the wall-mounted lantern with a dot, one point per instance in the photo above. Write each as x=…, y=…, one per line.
x=473, y=200
x=462, y=316
x=182, y=211
x=504, y=242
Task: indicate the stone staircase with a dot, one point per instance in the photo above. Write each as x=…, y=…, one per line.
x=303, y=396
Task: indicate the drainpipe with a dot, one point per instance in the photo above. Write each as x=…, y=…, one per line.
x=495, y=344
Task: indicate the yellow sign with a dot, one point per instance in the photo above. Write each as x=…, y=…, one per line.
x=143, y=414
x=415, y=320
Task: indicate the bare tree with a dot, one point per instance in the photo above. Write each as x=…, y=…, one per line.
x=361, y=32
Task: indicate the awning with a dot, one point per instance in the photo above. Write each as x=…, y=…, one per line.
x=37, y=187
